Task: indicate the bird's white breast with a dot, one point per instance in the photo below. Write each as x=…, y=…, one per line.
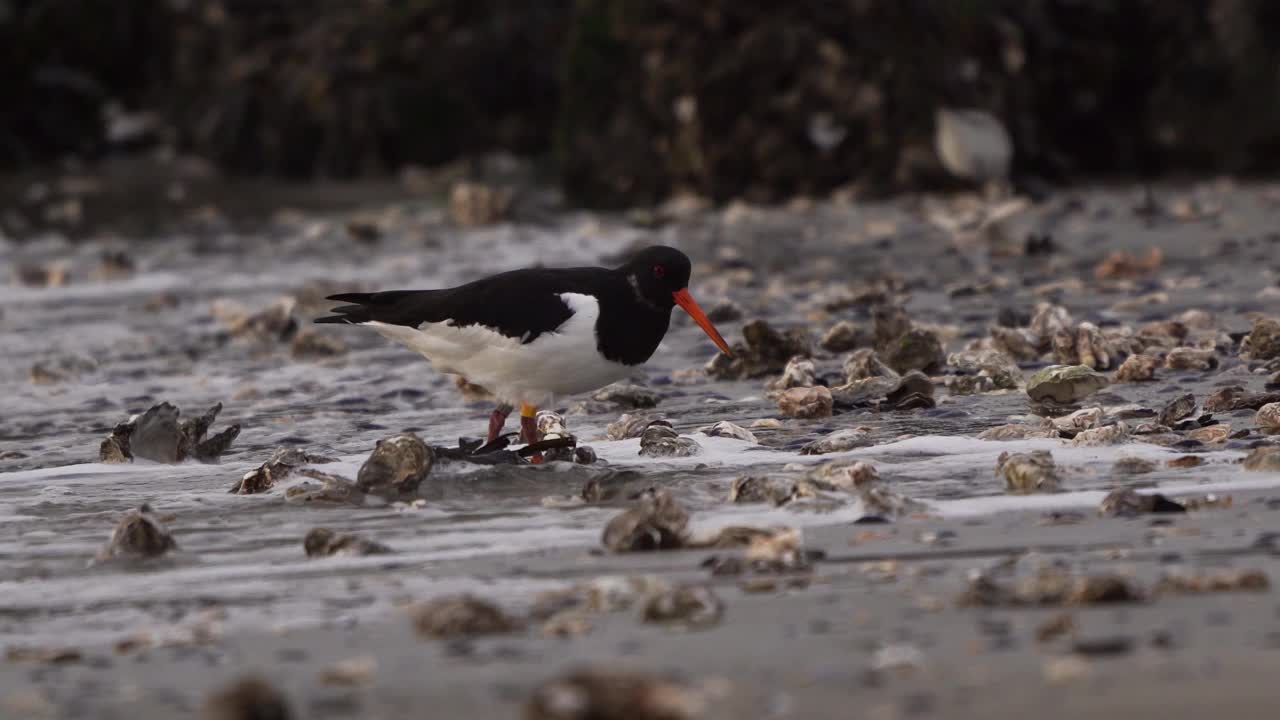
x=562, y=362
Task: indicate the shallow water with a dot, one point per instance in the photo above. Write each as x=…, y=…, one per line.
x=243, y=554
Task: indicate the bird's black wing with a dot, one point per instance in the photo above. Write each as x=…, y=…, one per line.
x=519, y=304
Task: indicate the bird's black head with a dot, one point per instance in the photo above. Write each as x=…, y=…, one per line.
x=658, y=273
x=660, y=277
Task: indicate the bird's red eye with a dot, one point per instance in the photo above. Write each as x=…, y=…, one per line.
x=659, y=271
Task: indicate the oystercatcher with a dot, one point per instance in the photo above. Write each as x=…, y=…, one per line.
x=529, y=336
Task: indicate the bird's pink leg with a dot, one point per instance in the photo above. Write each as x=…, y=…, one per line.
x=498, y=419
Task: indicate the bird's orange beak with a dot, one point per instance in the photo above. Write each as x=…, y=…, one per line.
x=685, y=300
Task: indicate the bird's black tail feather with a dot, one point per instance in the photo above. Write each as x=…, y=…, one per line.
x=354, y=314
x=388, y=307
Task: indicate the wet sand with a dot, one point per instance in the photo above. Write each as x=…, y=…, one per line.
x=877, y=633
x=242, y=585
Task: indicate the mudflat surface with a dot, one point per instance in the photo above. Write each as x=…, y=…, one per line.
x=876, y=631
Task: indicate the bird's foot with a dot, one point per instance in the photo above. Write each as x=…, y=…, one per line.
x=529, y=429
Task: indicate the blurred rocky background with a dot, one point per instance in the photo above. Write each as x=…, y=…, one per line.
x=621, y=103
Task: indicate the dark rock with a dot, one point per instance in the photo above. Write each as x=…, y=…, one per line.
x=1103, y=646
x=248, y=698
x=396, y=466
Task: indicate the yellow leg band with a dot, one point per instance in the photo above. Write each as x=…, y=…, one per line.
x=527, y=410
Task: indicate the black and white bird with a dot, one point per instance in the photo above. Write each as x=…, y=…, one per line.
x=533, y=335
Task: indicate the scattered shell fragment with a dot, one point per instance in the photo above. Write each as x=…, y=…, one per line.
x=461, y=616
x=838, y=441
x=1064, y=384
x=900, y=392
x=799, y=372
x=43, y=655
x=724, y=428
x=864, y=364
x=1082, y=419
x=629, y=425
x=1133, y=466
x=1127, y=502
x=1084, y=345
x=1179, y=408
x=473, y=204
x=984, y=370
x=351, y=672
x=281, y=463
x=766, y=352
x=690, y=606
x=657, y=522
x=331, y=489
x=397, y=465
x=322, y=542
x=761, y=489
x=1211, y=434
x=915, y=349
x=139, y=534
x=1028, y=472
x=805, y=402
x=312, y=344
x=1234, y=397
x=1014, y=431
x=1263, y=341
x=158, y=435
x=1114, y=434
x=591, y=694
x=660, y=440
x=1123, y=264
x=1266, y=459
x=1055, y=627
x=843, y=337
x=1185, y=358
x=1186, y=583
x=632, y=396
x=1138, y=368
x=1268, y=418
x=1065, y=669
x=1051, y=587
x=845, y=474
